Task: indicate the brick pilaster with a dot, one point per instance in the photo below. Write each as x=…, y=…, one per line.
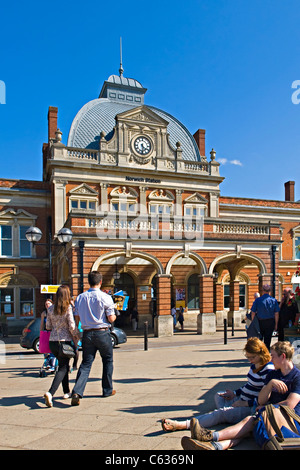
x=163, y=295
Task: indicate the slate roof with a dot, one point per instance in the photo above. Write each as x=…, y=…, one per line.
x=99, y=115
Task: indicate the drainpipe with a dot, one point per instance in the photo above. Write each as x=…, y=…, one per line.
x=81, y=246
x=274, y=249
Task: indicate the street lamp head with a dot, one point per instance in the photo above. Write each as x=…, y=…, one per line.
x=33, y=234
x=65, y=235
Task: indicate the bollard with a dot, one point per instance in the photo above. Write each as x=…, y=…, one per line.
x=232, y=327
x=146, y=336
x=225, y=331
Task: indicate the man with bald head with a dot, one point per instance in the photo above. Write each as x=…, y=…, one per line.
x=267, y=310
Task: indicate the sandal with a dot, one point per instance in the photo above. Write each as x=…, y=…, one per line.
x=172, y=425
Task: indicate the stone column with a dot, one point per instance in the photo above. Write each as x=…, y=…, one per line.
x=206, y=321
x=59, y=205
x=234, y=304
x=143, y=202
x=163, y=322
x=103, y=193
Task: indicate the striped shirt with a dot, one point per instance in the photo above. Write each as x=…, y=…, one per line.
x=256, y=380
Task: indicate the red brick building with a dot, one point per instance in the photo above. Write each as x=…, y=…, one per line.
x=142, y=198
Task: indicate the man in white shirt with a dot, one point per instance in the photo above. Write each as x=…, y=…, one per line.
x=95, y=310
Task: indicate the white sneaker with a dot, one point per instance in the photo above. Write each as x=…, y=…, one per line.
x=48, y=399
x=67, y=395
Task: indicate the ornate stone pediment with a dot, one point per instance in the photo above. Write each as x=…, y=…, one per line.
x=83, y=190
x=196, y=198
x=140, y=138
x=20, y=213
x=142, y=115
x=161, y=195
x=124, y=191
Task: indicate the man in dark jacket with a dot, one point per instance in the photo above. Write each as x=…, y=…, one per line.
x=287, y=313
x=267, y=310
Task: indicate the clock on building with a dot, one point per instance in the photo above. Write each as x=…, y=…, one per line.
x=142, y=145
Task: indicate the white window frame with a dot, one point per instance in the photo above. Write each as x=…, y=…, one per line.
x=124, y=200
x=24, y=239
x=164, y=205
x=16, y=219
x=196, y=210
x=11, y=239
x=116, y=206
x=87, y=200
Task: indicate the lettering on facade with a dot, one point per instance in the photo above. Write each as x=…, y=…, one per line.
x=142, y=180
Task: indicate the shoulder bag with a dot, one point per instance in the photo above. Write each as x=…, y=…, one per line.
x=64, y=349
x=278, y=428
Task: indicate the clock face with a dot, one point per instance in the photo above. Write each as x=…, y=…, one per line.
x=142, y=145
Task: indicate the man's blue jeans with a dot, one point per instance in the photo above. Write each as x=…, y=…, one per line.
x=93, y=341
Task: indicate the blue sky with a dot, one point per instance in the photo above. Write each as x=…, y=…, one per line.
x=226, y=66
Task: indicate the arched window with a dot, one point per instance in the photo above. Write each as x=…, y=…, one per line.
x=193, y=291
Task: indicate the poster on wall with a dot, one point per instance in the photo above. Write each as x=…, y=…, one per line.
x=180, y=297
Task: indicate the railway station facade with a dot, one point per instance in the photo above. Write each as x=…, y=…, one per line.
x=142, y=197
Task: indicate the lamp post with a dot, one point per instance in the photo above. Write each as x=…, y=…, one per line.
x=34, y=234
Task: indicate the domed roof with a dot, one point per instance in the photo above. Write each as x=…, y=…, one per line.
x=120, y=80
x=118, y=95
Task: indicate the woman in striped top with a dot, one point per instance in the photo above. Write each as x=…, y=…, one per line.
x=233, y=406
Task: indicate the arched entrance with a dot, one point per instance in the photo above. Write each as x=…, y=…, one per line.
x=233, y=289
x=188, y=271
x=136, y=271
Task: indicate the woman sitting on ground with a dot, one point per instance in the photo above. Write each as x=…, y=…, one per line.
x=233, y=406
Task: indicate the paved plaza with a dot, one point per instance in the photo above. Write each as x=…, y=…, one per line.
x=176, y=377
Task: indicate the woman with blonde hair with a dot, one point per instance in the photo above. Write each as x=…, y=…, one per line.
x=60, y=321
x=234, y=405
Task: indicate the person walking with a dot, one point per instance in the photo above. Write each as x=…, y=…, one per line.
x=61, y=322
x=3, y=325
x=174, y=316
x=181, y=317
x=267, y=310
x=287, y=313
x=134, y=317
x=49, y=359
x=95, y=310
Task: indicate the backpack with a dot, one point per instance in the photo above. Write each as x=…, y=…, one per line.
x=286, y=424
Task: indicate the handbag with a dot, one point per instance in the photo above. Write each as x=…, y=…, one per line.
x=66, y=350
x=284, y=422
x=44, y=342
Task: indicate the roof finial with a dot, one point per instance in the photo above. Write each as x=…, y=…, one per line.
x=121, y=70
